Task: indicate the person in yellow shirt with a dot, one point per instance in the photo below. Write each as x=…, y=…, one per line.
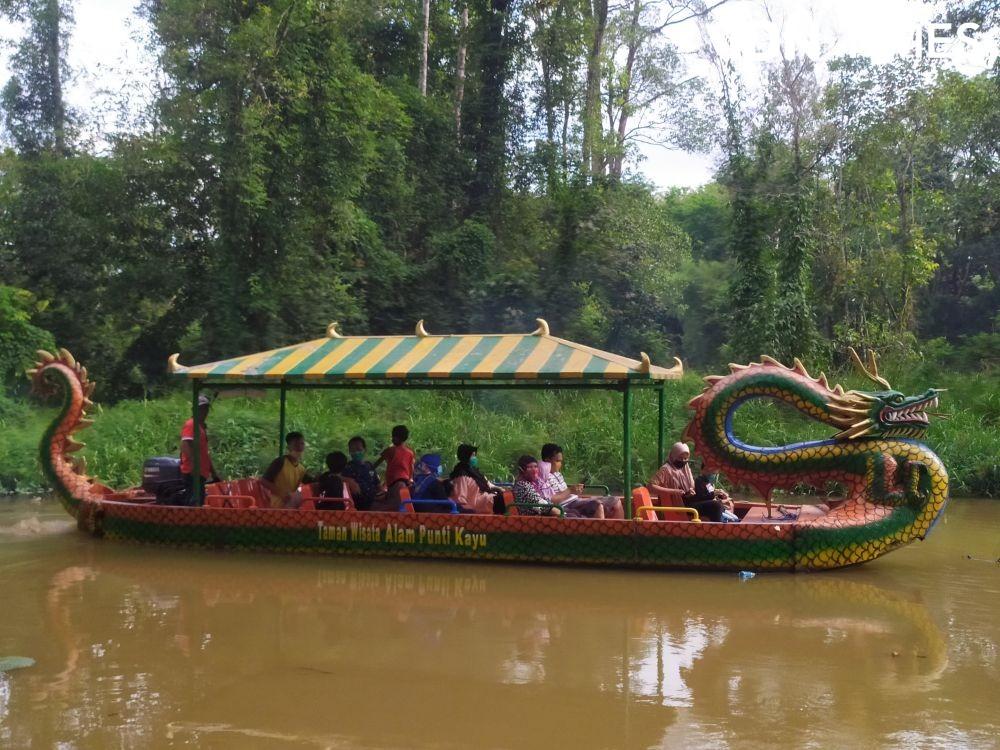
x=283, y=477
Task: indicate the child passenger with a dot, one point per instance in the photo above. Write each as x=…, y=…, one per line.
x=399, y=459
x=332, y=482
x=363, y=473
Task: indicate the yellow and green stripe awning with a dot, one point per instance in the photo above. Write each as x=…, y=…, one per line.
x=537, y=356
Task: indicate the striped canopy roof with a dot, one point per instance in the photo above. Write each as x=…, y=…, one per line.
x=533, y=356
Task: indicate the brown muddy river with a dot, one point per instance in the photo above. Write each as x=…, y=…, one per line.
x=146, y=647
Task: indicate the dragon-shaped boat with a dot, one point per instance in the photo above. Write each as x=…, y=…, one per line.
x=895, y=488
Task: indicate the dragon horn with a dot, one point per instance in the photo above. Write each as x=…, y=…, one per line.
x=71, y=446
x=871, y=372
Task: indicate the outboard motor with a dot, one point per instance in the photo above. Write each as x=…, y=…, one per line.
x=159, y=471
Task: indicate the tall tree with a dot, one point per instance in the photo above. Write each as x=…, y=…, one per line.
x=35, y=112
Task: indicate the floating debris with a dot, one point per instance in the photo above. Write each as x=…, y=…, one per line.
x=8, y=663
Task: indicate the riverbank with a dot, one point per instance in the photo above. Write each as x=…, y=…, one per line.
x=244, y=432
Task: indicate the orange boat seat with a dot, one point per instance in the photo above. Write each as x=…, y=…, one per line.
x=253, y=488
x=645, y=508
x=509, y=504
x=308, y=503
x=228, y=501
x=404, y=494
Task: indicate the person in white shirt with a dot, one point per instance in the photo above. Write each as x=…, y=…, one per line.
x=552, y=486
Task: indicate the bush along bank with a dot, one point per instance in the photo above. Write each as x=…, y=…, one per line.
x=244, y=432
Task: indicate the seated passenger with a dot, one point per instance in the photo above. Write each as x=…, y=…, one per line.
x=427, y=483
x=552, y=486
x=470, y=488
x=527, y=496
x=283, y=477
x=363, y=474
x=674, y=480
x=333, y=486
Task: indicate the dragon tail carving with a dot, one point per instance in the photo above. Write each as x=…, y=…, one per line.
x=51, y=375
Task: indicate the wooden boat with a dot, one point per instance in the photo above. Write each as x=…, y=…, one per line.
x=896, y=487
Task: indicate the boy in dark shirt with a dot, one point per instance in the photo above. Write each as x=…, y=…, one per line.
x=363, y=473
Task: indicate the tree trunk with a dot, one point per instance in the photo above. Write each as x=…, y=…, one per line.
x=52, y=63
x=424, y=45
x=615, y=167
x=592, y=157
x=490, y=112
x=460, y=74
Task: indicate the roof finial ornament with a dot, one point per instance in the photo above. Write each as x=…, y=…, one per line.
x=678, y=367
x=332, y=332
x=173, y=365
x=646, y=363
x=543, y=328
x=421, y=331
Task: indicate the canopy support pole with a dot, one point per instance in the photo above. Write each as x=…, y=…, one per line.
x=661, y=397
x=281, y=419
x=195, y=446
x=627, y=447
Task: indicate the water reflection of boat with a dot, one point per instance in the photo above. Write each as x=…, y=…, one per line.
x=451, y=654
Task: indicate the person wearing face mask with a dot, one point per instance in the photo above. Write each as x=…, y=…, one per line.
x=479, y=495
x=283, y=477
x=363, y=473
x=674, y=480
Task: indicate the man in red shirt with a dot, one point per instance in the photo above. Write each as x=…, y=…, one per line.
x=205, y=467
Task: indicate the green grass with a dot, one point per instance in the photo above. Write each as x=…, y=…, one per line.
x=503, y=424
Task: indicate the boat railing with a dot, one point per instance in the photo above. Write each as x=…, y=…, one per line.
x=515, y=508
x=415, y=503
x=695, y=518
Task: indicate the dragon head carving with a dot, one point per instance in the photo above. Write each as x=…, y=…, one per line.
x=882, y=413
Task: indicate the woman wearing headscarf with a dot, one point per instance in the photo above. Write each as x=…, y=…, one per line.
x=674, y=480
x=469, y=488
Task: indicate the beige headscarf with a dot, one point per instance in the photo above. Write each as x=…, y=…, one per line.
x=671, y=477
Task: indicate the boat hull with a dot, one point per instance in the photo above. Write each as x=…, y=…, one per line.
x=620, y=543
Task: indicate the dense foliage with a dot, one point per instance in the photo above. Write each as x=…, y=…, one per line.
x=306, y=161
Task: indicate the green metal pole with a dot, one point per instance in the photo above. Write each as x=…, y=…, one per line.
x=661, y=442
x=195, y=449
x=281, y=420
x=627, y=446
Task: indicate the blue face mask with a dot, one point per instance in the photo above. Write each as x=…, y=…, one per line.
x=474, y=462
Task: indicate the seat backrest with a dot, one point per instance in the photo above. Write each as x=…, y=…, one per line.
x=404, y=494
x=215, y=488
x=641, y=498
x=509, y=504
x=308, y=503
x=257, y=491
x=228, y=501
x=307, y=491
